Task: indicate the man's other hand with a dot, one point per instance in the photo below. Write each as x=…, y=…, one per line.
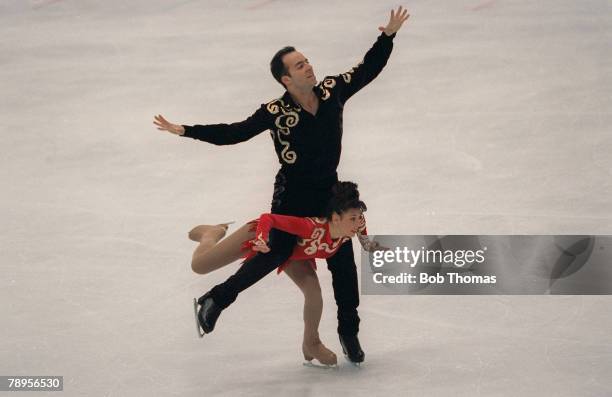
x=164, y=125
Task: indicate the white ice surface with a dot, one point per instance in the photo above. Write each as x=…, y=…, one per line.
x=492, y=117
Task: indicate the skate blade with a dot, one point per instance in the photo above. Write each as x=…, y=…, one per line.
x=227, y=224
x=195, y=312
x=319, y=366
x=356, y=365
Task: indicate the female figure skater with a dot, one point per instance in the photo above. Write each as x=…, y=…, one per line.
x=317, y=238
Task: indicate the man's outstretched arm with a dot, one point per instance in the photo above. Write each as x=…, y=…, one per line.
x=219, y=134
x=375, y=59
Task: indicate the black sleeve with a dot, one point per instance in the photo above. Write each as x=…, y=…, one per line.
x=367, y=70
x=229, y=134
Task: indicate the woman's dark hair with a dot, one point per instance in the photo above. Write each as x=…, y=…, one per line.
x=277, y=67
x=345, y=196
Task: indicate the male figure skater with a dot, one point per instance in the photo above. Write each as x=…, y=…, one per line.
x=306, y=127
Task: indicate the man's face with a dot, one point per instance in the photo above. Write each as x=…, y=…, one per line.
x=301, y=74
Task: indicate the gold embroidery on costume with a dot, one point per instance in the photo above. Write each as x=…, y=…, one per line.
x=327, y=84
x=287, y=119
x=273, y=107
x=315, y=237
x=314, y=243
x=348, y=75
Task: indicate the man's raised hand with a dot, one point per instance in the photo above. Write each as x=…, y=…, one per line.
x=164, y=125
x=395, y=21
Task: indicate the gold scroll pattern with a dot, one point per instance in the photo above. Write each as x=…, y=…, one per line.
x=314, y=244
x=287, y=118
x=326, y=86
x=348, y=75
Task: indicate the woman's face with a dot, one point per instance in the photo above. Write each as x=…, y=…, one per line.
x=349, y=221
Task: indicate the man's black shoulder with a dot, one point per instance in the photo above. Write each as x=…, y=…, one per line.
x=284, y=104
x=328, y=86
x=331, y=84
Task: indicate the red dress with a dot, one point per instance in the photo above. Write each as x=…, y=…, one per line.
x=314, y=238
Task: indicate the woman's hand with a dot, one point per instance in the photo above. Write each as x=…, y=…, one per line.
x=375, y=246
x=370, y=246
x=260, y=245
x=263, y=248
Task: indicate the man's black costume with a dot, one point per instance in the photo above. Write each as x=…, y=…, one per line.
x=308, y=147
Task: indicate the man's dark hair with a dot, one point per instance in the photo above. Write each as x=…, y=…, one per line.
x=277, y=67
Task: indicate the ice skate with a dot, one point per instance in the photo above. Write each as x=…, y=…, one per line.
x=317, y=350
x=206, y=315
x=197, y=322
x=352, y=349
x=212, y=232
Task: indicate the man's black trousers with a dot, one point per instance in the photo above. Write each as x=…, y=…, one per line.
x=299, y=199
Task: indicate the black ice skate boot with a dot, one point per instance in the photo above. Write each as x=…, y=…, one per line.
x=207, y=315
x=352, y=348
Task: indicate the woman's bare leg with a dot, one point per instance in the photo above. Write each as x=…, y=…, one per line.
x=306, y=279
x=212, y=254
